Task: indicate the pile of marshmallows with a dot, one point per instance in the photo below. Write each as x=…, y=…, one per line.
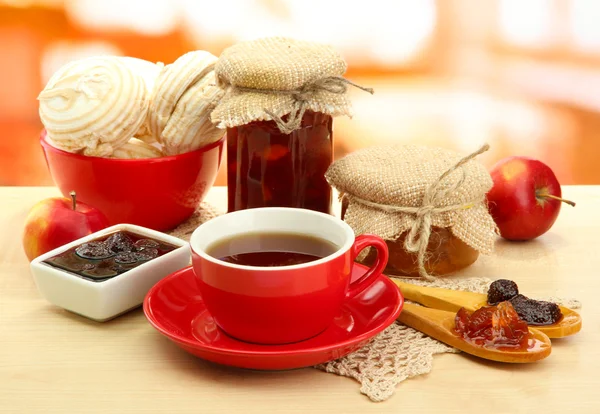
x=124, y=107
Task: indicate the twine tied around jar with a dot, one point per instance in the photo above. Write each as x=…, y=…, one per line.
x=302, y=96
x=420, y=229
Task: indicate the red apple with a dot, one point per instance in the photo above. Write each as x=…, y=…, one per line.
x=57, y=221
x=525, y=199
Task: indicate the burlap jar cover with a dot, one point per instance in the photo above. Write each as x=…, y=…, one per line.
x=274, y=78
x=406, y=188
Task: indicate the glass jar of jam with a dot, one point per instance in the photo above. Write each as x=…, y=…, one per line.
x=428, y=203
x=280, y=96
x=446, y=254
x=268, y=168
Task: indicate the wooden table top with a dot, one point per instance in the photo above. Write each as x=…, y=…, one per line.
x=52, y=361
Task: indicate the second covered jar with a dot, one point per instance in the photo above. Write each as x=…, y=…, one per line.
x=280, y=97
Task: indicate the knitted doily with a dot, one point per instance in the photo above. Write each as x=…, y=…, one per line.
x=203, y=213
x=396, y=354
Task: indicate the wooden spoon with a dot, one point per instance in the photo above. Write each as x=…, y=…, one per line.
x=439, y=324
x=453, y=300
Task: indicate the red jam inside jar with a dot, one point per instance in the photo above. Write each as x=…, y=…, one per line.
x=267, y=168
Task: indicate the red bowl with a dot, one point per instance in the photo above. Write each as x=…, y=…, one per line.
x=158, y=193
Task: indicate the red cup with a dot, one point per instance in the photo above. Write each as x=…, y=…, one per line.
x=278, y=305
x=158, y=193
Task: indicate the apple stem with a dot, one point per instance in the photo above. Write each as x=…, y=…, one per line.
x=74, y=198
x=569, y=202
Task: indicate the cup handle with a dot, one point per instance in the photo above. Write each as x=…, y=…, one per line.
x=360, y=243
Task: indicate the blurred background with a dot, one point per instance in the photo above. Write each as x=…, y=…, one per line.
x=522, y=75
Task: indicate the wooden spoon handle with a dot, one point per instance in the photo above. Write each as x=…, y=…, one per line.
x=437, y=324
x=438, y=298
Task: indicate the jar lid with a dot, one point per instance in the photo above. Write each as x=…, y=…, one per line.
x=400, y=188
x=269, y=78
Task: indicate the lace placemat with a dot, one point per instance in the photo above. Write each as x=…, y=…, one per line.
x=396, y=354
x=203, y=213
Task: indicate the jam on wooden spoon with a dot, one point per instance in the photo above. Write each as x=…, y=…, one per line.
x=497, y=327
x=505, y=339
x=534, y=312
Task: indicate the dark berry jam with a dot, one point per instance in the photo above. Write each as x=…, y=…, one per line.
x=110, y=255
x=502, y=290
x=534, y=312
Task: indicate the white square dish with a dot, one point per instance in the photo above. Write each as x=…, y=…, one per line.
x=105, y=300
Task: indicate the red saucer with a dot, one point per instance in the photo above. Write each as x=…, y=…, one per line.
x=175, y=308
